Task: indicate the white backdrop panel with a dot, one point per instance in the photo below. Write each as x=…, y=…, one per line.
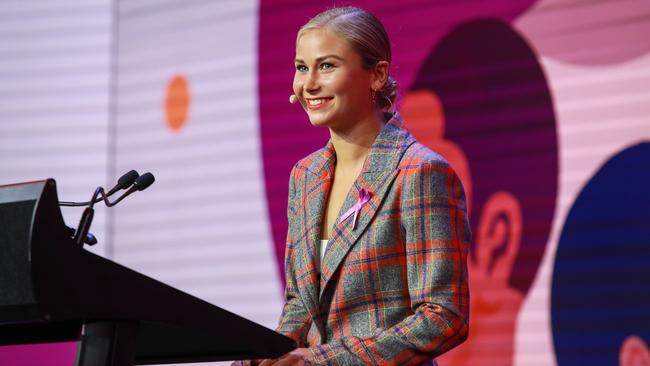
x=54, y=97
x=202, y=227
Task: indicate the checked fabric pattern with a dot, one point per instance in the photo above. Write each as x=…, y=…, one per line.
x=393, y=290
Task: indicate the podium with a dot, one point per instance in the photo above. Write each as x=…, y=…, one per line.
x=52, y=290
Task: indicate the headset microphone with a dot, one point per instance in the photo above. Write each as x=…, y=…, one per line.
x=293, y=99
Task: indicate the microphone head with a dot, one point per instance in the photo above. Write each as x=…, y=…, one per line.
x=293, y=99
x=127, y=179
x=144, y=181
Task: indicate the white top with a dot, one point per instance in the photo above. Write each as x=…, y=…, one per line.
x=323, y=246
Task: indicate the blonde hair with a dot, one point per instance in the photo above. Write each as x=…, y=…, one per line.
x=366, y=35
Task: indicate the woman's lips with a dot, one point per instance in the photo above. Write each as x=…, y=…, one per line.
x=317, y=103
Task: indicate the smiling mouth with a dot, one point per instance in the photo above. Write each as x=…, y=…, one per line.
x=317, y=103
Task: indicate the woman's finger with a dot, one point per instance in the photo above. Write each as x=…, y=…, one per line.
x=268, y=362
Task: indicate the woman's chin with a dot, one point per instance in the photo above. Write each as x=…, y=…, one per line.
x=319, y=121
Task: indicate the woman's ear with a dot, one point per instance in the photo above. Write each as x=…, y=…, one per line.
x=380, y=75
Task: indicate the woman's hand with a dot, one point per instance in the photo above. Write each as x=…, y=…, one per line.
x=297, y=357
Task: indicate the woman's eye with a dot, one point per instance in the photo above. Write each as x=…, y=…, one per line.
x=301, y=68
x=326, y=66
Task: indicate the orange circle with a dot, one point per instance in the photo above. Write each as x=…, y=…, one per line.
x=177, y=102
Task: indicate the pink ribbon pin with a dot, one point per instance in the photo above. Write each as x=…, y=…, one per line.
x=364, y=197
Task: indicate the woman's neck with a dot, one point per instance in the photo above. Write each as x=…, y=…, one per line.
x=353, y=143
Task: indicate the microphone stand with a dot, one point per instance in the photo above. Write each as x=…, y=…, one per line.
x=141, y=183
x=87, y=217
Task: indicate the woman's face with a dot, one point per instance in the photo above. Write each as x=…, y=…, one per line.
x=330, y=82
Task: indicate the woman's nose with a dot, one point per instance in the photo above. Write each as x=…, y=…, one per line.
x=311, y=82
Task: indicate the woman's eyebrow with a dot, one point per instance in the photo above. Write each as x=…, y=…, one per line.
x=299, y=61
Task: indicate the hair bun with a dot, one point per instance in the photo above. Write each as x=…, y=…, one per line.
x=387, y=94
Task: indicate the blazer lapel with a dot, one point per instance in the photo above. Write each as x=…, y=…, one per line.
x=318, y=181
x=344, y=236
x=379, y=171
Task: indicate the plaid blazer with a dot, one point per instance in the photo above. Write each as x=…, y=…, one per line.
x=393, y=290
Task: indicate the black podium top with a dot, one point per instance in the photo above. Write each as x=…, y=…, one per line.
x=49, y=287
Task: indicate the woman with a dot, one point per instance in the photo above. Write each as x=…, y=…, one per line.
x=378, y=232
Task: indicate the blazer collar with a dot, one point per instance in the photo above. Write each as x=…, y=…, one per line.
x=382, y=156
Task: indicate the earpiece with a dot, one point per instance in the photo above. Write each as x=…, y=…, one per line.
x=293, y=99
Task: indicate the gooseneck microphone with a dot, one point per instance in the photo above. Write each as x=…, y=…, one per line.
x=143, y=182
x=140, y=183
x=124, y=182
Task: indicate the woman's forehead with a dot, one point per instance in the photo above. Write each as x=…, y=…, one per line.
x=317, y=43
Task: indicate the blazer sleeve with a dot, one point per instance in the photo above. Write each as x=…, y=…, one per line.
x=295, y=320
x=436, y=234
